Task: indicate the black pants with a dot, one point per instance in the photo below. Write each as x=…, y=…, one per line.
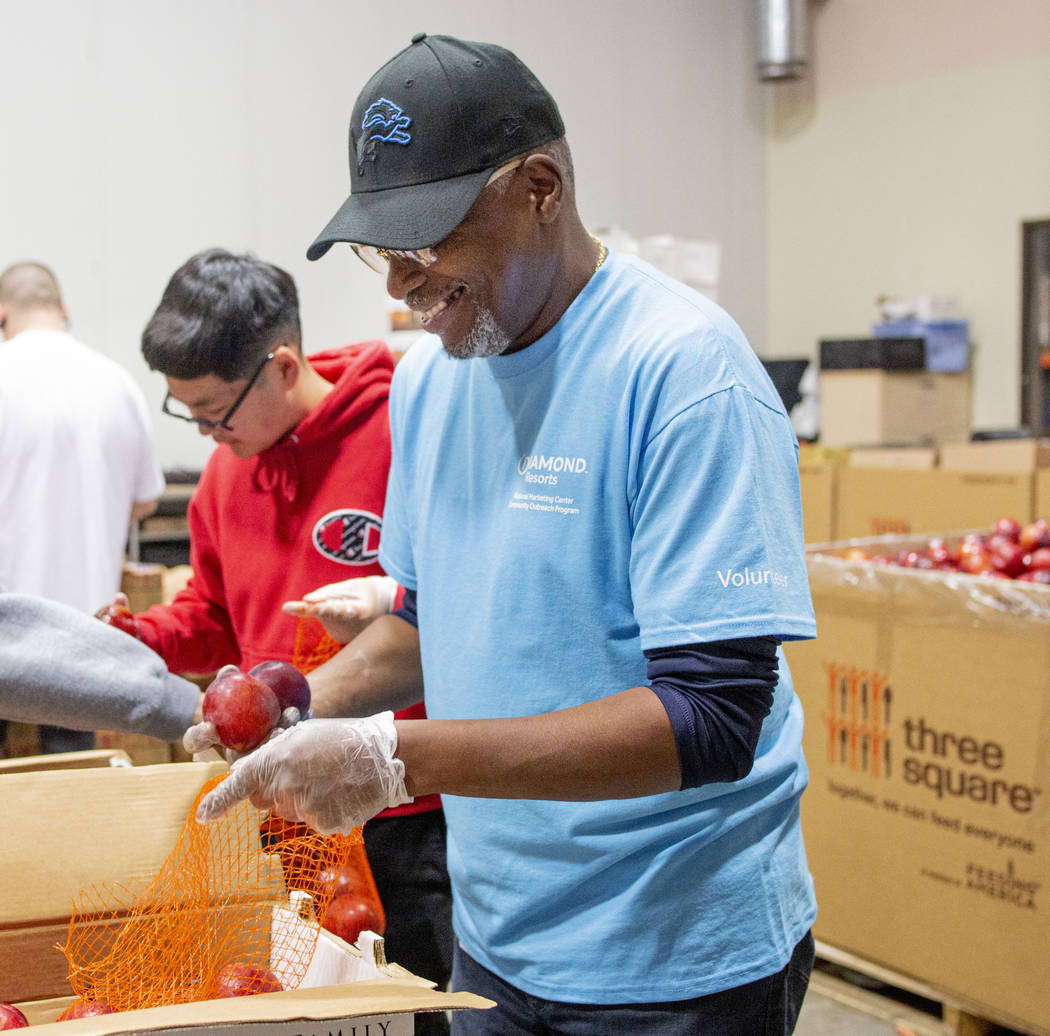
x=407, y=857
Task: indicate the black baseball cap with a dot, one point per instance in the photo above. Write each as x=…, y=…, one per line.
x=426, y=133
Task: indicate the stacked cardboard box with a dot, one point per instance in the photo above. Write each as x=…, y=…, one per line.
x=960, y=485
x=818, y=469
x=879, y=407
x=926, y=818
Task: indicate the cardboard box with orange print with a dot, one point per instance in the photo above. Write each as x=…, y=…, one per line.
x=927, y=817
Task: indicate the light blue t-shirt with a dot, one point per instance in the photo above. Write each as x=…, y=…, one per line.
x=628, y=481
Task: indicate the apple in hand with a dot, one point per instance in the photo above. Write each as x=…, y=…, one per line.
x=86, y=1009
x=243, y=709
x=286, y=682
x=12, y=1018
x=119, y=616
x=246, y=980
x=348, y=916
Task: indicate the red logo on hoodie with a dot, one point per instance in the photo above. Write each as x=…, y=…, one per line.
x=349, y=537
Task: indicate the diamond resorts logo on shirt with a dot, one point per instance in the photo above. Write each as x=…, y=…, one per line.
x=538, y=467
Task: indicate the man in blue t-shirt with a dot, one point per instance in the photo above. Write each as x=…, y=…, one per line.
x=594, y=507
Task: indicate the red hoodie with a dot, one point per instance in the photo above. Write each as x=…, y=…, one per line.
x=270, y=528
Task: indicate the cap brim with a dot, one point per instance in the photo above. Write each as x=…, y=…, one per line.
x=402, y=217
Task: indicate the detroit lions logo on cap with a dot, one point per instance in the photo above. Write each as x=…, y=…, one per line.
x=388, y=125
x=349, y=537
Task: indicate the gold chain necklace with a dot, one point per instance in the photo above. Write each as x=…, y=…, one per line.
x=602, y=253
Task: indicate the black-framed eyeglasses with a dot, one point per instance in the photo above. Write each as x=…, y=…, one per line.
x=173, y=408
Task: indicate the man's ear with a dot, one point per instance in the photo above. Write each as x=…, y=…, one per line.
x=3, y=317
x=546, y=190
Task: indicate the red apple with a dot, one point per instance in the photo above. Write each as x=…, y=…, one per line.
x=1008, y=527
x=86, y=1009
x=12, y=1018
x=940, y=554
x=343, y=881
x=976, y=562
x=243, y=709
x=286, y=682
x=1036, y=575
x=349, y=915
x=1009, y=559
x=246, y=980
x=1039, y=559
x=1035, y=535
x=120, y=617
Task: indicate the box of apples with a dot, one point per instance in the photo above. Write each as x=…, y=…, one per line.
x=927, y=724
x=78, y=829
x=1007, y=550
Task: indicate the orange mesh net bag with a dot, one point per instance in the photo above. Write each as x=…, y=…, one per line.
x=210, y=906
x=213, y=904
x=313, y=646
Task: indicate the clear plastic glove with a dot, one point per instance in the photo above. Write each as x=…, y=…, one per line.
x=345, y=608
x=333, y=774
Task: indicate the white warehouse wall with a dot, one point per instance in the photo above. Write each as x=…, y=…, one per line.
x=137, y=132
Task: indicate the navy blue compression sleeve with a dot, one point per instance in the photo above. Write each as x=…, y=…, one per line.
x=716, y=696
x=407, y=611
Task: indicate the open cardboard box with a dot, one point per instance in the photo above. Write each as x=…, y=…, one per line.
x=73, y=829
x=927, y=735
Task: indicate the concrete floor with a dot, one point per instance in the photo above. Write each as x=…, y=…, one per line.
x=844, y=1003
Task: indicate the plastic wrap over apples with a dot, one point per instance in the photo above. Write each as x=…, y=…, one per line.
x=919, y=575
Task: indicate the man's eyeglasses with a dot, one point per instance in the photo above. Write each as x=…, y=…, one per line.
x=378, y=259
x=173, y=408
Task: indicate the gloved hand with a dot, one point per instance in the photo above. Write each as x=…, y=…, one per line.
x=333, y=774
x=345, y=608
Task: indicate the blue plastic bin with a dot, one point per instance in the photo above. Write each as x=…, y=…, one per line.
x=947, y=341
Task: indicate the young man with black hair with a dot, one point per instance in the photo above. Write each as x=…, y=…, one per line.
x=612, y=721
x=291, y=498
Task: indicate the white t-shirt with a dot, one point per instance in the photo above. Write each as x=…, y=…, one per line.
x=76, y=452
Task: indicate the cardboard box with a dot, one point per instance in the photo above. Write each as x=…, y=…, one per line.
x=896, y=501
x=922, y=458
x=886, y=408
x=143, y=583
x=818, y=481
x=1020, y=456
x=926, y=818
x=1041, y=508
x=88, y=828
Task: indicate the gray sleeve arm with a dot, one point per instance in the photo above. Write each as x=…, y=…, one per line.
x=62, y=666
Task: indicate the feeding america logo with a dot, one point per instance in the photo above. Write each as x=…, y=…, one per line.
x=349, y=537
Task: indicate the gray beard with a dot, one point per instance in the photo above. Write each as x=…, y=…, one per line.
x=485, y=338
